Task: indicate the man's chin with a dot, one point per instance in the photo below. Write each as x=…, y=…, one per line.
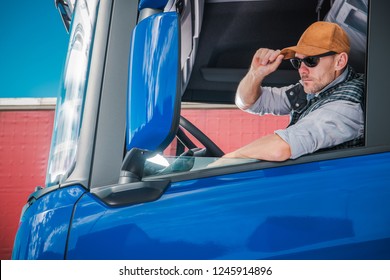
x=310, y=89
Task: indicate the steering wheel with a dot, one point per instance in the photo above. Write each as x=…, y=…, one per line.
x=186, y=160
x=211, y=148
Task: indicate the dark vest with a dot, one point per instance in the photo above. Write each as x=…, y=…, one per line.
x=351, y=89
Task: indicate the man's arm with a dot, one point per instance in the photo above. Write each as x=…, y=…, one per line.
x=264, y=62
x=332, y=124
x=270, y=147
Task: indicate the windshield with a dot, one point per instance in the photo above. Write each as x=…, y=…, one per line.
x=70, y=102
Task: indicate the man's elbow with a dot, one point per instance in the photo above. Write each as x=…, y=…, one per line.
x=282, y=152
x=280, y=156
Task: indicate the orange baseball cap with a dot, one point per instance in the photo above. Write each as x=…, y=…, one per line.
x=319, y=38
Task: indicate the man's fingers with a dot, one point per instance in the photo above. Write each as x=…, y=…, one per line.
x=275, y=64
x=265, y=56
x=266, y=61
x=275, y=54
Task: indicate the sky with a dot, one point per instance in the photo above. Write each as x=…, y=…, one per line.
x=33, y=45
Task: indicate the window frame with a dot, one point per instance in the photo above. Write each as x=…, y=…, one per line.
x=377, y=139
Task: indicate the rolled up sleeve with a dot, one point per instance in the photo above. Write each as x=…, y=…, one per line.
x=272, y=101
x=332, y=124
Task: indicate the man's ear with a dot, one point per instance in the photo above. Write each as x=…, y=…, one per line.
x=341, y=61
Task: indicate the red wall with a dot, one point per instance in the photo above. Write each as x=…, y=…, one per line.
x=24, y=147
x=232, y=128
x=25, y=143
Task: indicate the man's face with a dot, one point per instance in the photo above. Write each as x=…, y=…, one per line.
x=314, y=79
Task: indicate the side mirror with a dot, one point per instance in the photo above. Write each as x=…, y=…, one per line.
x=154, y=90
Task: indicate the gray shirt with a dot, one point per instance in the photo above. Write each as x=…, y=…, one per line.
x=332, y=124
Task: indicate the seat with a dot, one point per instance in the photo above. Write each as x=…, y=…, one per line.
x=352, y=16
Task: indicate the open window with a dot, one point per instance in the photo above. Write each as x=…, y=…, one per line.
x=184, y=74
x=231, y=32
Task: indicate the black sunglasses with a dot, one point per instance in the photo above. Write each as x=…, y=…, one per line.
x=310, y=61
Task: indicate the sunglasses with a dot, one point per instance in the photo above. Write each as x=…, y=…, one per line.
x=310, y=61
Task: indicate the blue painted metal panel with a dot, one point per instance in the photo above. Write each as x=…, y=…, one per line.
x=153, y=98
x=152, y=4
x=336, y=209
x=44, y=226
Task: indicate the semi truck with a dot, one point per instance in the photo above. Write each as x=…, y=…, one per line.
x=129, y=177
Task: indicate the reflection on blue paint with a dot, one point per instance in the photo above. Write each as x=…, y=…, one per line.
x=284, y=233
x=153, y=82
x=43, y=228
x=152, y=4
x=336, y=209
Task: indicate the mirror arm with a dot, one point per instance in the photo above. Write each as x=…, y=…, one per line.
x=133, y=166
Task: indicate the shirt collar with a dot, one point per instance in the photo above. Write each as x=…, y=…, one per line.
x=336, y=81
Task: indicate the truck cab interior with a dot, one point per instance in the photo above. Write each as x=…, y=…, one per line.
x=232, y=31
x=219, y=57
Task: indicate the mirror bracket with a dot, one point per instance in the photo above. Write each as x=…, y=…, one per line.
x=133, y=166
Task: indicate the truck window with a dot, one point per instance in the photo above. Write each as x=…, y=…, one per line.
x=220, y=67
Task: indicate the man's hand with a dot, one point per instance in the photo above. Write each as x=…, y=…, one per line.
x=265, y=61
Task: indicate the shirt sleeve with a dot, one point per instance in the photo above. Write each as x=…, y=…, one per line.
x=332, y=124
x=273, y=100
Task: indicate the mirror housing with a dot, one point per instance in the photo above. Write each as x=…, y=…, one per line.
x=154, y=91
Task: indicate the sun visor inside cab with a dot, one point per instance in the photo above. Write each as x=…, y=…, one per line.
x=154, y=83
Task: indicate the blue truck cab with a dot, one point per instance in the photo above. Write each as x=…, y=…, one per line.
x=114, y=190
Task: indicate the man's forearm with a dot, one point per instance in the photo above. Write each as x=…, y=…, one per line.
x=264, y=62
x=270, y=147
x=249, y=89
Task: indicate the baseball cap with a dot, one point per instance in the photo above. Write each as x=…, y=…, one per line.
x=319, y=38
